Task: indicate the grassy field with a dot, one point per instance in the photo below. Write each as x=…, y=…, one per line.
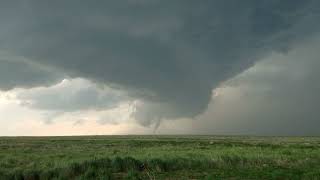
x=159, y=157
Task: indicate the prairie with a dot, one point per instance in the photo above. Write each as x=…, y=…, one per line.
x=159, y=157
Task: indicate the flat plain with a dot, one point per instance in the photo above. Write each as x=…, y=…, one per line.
x=159, y=157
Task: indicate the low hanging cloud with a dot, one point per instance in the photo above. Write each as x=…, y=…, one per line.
x=77, y=100
x=70, y=96
x=170, y=54
x=277, y=96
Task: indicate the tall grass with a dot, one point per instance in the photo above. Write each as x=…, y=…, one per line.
x=132, y=157
x=131, y=168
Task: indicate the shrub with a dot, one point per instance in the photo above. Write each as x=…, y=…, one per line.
x=117, y=164
x=132, y=164
x=157, y=165
x=32, y=175
x=133, y=175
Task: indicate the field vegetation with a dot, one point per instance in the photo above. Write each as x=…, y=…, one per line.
x=159, y=157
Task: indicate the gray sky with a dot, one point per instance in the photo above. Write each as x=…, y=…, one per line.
x=135, y=66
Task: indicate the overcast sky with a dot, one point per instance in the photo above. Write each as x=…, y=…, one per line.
x=160, y=66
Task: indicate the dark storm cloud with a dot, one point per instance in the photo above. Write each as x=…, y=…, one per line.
x=172, y=52
x=278, y=96
x=16, y=73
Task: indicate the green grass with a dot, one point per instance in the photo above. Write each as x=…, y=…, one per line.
x=159, y=157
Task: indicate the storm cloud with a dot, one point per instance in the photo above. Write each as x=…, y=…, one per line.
x=16, y=72
x=170, y=54
x=71, y=95
x=277, y=96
